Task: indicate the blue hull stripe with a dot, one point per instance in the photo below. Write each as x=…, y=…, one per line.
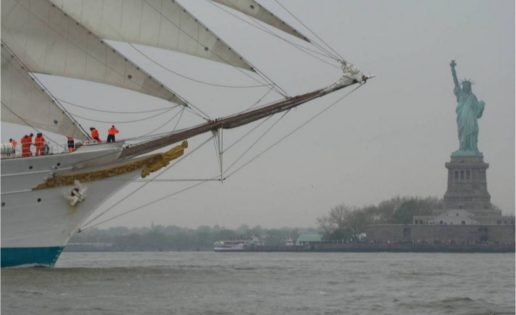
x=17, y=256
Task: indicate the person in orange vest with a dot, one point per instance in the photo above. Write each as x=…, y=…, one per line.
x=14, y=144
x=26, y=141
x=71, y=143
x=111, y=134
x=40, y=144
x=95, y=134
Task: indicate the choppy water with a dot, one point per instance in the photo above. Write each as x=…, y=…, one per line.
x=263, y=283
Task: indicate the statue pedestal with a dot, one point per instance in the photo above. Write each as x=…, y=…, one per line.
x=467, y=187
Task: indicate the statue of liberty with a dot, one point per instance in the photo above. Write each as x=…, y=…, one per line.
x=469, y=109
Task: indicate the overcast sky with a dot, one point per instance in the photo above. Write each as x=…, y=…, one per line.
x=390, y=138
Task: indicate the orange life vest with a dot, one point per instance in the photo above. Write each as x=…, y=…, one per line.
x=112, y=131
x=39, y=141
x=26, y=141
x=95, y=134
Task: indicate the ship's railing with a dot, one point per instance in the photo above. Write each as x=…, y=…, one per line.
x=8, y=152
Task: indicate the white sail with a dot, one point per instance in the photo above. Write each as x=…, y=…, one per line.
x=49, y=41
x=159, y=23
x=257, y=11
x=25, y=103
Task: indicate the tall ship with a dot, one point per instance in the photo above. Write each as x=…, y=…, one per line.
x=47, y=198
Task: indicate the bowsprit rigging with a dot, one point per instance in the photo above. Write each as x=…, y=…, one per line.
x=72, y=39
x=225, y=174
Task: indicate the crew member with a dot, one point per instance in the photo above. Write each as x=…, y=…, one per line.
x=71, y=143
x=95, y=134
x=111, y=134
x=40, y=144
x=26, y=141
x=13, y=143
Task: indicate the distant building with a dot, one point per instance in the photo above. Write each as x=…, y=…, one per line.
x=443, y=234
x=307, y=238
x=460, y=217
x=449, y=217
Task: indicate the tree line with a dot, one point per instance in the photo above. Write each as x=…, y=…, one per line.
x=159, y=237
x=347, y=223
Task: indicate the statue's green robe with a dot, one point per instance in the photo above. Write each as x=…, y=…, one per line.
x=469, y=109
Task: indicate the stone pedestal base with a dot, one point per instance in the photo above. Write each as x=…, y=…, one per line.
x=467, y=185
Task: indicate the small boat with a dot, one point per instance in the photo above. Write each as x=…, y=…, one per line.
x=235, y=245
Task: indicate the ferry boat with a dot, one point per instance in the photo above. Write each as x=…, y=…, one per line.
x=236, y=245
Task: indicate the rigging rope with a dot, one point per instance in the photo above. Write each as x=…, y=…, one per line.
x=53, y=99
x=160, y=172
x=331, y=51
x=310, y=52
x=247, y=133
x=306, y=50
x=192, y=108
x=30, y=125
x=180, y=113
x=146, y=205
x=254, y=128
x=294, y=130
x=193, y=79
x=215, y=177
x=260, y=73
x=256, y=141
x=147, y=135
x=125, y=121
x=259, y=100
x=116, y=112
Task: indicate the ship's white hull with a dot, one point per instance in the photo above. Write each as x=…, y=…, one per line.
x=38, y=223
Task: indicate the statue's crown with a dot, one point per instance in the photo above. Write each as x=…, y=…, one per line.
x=467, y=81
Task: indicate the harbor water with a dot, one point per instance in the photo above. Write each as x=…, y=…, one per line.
x=263, y=283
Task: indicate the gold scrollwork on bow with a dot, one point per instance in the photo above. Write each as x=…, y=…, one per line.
x=149, y=164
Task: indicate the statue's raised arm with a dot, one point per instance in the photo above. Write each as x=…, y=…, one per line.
x=454, y=75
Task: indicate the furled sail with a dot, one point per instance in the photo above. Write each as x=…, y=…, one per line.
x=25, y=103
x=49, y=41
x=159, y=23
x=257, y=11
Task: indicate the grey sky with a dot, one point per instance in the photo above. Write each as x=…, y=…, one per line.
x=391, y=137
